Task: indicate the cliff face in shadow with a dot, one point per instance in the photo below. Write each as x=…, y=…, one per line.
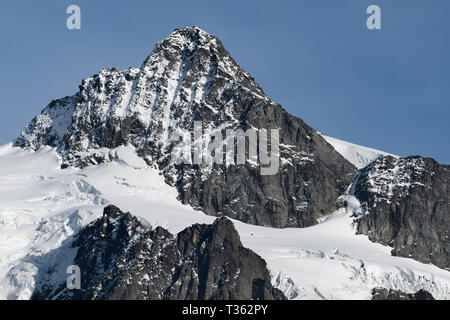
x=119, y=258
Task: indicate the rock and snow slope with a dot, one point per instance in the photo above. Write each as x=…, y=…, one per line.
x=406, y=202
x=41, y=206
x=121, y=259
x=406, y=205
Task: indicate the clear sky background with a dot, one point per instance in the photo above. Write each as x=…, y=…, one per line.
x=388, y=89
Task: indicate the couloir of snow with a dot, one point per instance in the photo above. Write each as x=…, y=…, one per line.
x=359, y=156
x=41, y=206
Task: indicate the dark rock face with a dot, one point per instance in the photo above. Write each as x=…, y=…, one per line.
x=120, y=259
x=191, y=77
x=385, y=294
x=407, y=206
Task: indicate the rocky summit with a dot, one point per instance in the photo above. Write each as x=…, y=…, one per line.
x=190, y=77
x=120, y=258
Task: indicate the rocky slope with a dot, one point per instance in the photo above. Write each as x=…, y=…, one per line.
x=385, y=294
x=120, y=258
x=406, y=205
x=191, y=77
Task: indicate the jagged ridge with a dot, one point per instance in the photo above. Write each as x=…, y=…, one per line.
x=119, y=258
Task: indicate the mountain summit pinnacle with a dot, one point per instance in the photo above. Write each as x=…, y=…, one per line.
x=189, y=38
x=193, y=34
x=191, y=77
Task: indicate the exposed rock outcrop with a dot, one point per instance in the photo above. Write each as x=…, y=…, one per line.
x=406, y=204
x=119, y=258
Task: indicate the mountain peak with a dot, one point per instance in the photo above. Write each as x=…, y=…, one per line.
x=191, y=77
x=188, y=37
x=193, y=50
x=194, y=32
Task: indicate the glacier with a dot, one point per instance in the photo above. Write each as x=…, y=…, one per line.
x=42, y=205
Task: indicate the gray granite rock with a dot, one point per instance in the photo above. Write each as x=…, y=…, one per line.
x=121, y=259
x=406, y=205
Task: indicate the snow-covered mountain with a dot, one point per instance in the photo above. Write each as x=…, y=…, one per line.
x=43, y=207
x=190, y=77
x=325, y=229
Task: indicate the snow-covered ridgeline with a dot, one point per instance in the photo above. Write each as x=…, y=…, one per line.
x=359, y=156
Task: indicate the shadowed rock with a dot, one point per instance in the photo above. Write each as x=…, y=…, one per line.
x=121, y=259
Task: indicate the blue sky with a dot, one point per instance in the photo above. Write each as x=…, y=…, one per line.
x=388, y=89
